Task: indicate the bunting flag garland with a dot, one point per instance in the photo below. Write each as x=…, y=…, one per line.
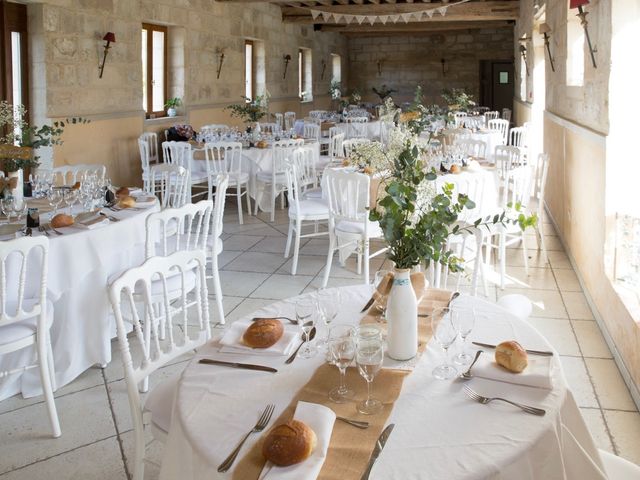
x=418, y=15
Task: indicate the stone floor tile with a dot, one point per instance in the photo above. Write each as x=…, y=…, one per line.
x=282, y=286
x=598, y=428
x=577, y=306
x=590, y=339
x=625, y=430
x=536, y=278
x=240, y=284
x=559, y=333
x=610, y=387
x=567, y=280
x=577, y=376
x=256, y=262
x=240, y=243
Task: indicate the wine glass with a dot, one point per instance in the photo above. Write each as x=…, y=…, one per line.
x=329, y=301
x=369, y=357
x=54, y=198
x=463, y=322
x=445, y=334
x=70, y=197
x=306, y=317
x=382, y=302
x=342, y=347
x=7, y=207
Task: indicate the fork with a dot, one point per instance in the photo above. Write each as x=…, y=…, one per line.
x=43, y=230
x=480, y=399
x=262, y=422
x=467, y=375
x=291, y=320
x=355, y=423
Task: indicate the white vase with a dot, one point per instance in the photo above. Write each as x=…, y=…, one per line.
x=172, y=112
x=18, y=192
x=402, y=317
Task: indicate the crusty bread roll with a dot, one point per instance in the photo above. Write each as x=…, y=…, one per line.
x=289, y=443
x=122, y=192
x=61, y=220
x=263, y=333
x=76, y=186
x=511, y=356
x=455, y=168
x=126, y=202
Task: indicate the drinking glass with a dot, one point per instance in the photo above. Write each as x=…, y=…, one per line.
x=463, y=322
x=7, y=207
x=369, y=357
x=306, y=317
x=329, y=301
x=445, y=334
x=70, y=197
x=368, y=332
x=377, y=280
x=342, y=347
x=55, y=197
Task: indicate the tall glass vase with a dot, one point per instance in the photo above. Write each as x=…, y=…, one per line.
x=17, y=192
x=402, y=317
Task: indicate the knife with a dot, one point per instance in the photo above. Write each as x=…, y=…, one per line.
x=532, y=352
x=369, y=303
x=382, y=440
x=247, y=366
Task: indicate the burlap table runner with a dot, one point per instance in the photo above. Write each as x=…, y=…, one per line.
x=350, y=447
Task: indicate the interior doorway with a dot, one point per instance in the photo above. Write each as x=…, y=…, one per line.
x=496, y=84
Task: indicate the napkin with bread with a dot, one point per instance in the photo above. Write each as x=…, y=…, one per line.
x=296, y=450
x=512, y=364
x=266, y=336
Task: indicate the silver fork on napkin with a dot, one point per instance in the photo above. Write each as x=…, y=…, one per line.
x=482, y=399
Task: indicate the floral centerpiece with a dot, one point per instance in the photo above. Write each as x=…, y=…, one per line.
x=355, y=98
x=250, y=110
x=335, y=90
x=458, y=100
x=383, y=92
x=420, y=118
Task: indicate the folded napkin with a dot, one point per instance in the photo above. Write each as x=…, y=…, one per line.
x=320, y=419
x=232, y=342
x=90, y=221
x=537, y=374
x=145, y=200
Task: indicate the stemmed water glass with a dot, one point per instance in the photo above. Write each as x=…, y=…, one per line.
x=445, y=334
x=369, y=357
x=329, y=301
x=377, y=280
x=342, y=347
x=54, y=198
x=7, y=205
x=463, y=322
x=306, y=317
x=70, y=197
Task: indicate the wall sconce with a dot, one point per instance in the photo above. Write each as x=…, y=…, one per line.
x=324, y=67
x=545, y=30
x=444, y=66
x=523, y=53
x=379, y=64
x=583, y=20
x=220, y=55
x=110, y=38
x=287, y=59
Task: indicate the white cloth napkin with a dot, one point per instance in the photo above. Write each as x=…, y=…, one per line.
x=89, y=223
x=145, y=200
x=537, y=374
x=320, y=419
x=231, y=342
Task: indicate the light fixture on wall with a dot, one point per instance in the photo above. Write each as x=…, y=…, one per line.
x=545, y=31
x=523, y=54
x=220, y=56
x=324, y=67
x=110, y=38
x=287, y=59
x=379, y=64
x=583, y=20
x=443, y=62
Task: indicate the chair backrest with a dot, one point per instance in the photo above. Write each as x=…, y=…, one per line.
x=164, y=327
x=145, y=163
x=266, y=127
x=223, y=157
x=453, y=136
x=336, y=148
x=282, y=155
x=70, y=174
x=23, y=280
x=506, y=114
x=357, y=126
x=506, y=158
x=386, y=127
x=293, y=186
x=474, y=148
x=491, y=116
x=469, y=185
x=177, y=153
x=174, y=229
x=540, y=182
x=279, y=120
x=472, y=122
x=516, y=186
x=152, y=141
x=317, y=113
x=350, y=144
x=289, y=120
x=459, y=118
x=348, y=195
x=502, y=126
x=169, y=183
x=518, y=137
x=217, y=217
x=305, y=165
x=311, y=130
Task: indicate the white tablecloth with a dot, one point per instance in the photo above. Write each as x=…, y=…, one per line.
x=492, y=138
x=80, y=264
x=254, y=160
x=372, y=129
x=440, y=433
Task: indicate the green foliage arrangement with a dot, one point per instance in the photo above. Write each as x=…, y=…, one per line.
x=384, y=92
x=457, y=99
x=420, y=118
x=174, y=102
x=250, y=110
x=335, y=90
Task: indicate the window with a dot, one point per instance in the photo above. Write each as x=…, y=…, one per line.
x=336, y=68
x=249, y=70
x=154, y=69
x=304, y=75
x=14, y=81
x=575, y=50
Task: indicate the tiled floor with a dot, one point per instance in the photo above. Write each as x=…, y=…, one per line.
x=94, y=413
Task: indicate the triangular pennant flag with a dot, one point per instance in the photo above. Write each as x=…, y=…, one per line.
x=395, y=18
x=326, y=16
x=406, y=17
x=360, y=19
x=384, y=18
x=371, y=19
x=430, y=13
x=337, y=18
x=348, y=19
x=315, y=13
x=443, y=11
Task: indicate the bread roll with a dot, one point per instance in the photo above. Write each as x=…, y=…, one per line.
x=455, y=169
x=511, y=356
x=122, y=192
x=61, y=220
x=263, y=333
x=126, y=202
x=289, y=443
x=76, y=186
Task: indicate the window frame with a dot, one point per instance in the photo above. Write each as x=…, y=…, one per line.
x=248, y=42
x=150, y=28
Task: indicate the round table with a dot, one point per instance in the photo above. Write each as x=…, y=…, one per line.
x=81, y=262
x=439, y=434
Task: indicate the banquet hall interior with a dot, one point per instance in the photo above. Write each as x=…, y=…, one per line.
x=319, y=239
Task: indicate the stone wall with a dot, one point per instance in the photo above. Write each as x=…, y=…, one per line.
x=66, y=48
x=407, y=61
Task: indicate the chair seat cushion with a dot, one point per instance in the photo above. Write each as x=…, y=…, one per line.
x=309, y=208
x=374, y=230
x=25, y=328
x=199, y=177
x=159, y=402
x=234, y=179
x=266, y=177
x=313, y=194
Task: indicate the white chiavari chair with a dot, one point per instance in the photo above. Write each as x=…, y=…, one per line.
x=289, y=120
x=349, y=145
x=501, y=126
x=269, y=128
x=152, y=141
x=226, y=158
x=180, y=153
x=506, y=158
x=506, y=114
x=317, y=113
x=493, y=115
x=349, y=200
x=279, y=120
x=518, y=137
x=539, y=187
x=170, y=184
x=215, y=240
x=357, y=127
x=213, y=129
x=311, y=131
x=143, y=146
x=459, y=118
x=25, y=313
x=163, y=330
x=70, y=174
x=273, y=182
x=301, y=211
x=474, y=148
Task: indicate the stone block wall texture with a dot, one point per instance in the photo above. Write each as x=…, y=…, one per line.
x=410, y=60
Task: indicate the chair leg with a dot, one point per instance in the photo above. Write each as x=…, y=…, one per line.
x=246, y=192
x=239, y=199
x=524, y=253
x=255, y=204
x=273, y=203
x=327, y=268
x=217, y=291
x=502, y=250
x=138, y=466
x=365, y=260
x=541, y=242
x=45, y=377
x=287, y=248
x=296, y=247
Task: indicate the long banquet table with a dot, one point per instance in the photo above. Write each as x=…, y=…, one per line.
x=80, y=265
x=439, y=434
